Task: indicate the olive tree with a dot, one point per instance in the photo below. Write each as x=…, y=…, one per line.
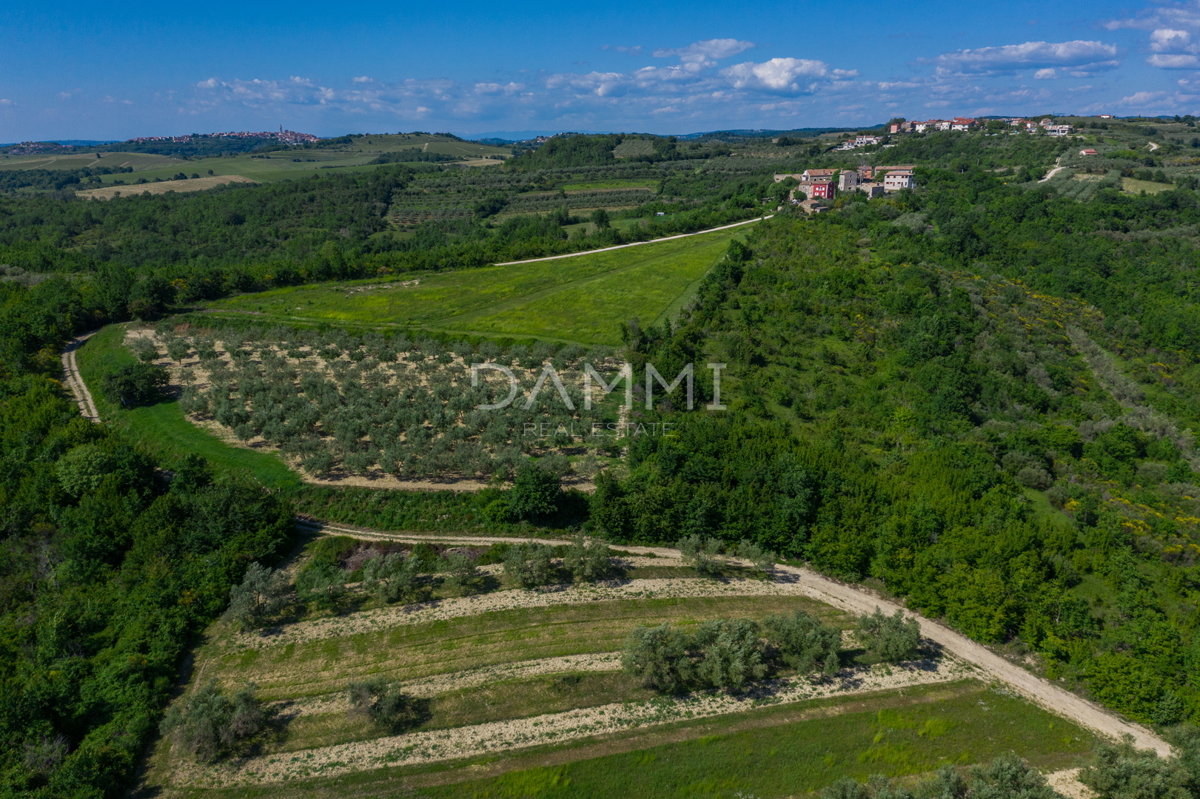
x=384, y=704
x=588, y=559
x=700, y=553
x=660, y=656
x=321, y=583
x=803, y=642
x=732, y=654
x=530, y=565
x=206, y=722
x=262, y=593
x=391, y=577
x=889, y=638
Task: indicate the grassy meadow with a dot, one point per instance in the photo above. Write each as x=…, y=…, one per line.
x=581, y=299
x=162, y=428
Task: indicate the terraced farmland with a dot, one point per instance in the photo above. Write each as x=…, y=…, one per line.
x=524, y=689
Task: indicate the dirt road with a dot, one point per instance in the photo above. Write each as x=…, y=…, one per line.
x=83, y=397
x=856, y=600
x=636, y=243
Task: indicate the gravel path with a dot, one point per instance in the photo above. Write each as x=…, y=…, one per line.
x=79, y=389
x=858, y=601
x=435, y=745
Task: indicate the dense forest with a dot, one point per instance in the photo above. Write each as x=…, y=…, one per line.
x=922, y=405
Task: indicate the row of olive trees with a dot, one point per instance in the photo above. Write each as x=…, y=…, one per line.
x=586, y=560
x=703, y=553
x=731, y=654
x=265, y=593
x=413, y=421
x=208, y=724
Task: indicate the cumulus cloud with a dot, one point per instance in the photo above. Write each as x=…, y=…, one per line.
x=694, y=86
x=1167, y=40
x=1173, y=61
x=1045, y=74
x=4, y=101
x=1172, y=31
x=778, y=74
x=1083, y=55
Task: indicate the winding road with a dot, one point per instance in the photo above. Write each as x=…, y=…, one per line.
x=836, y=594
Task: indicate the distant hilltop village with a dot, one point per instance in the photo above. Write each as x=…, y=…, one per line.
x=282, y=136
x=285, y=136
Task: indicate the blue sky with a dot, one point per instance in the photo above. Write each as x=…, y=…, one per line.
x=98, y=71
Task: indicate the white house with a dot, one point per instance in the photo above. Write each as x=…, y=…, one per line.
x=895, y=181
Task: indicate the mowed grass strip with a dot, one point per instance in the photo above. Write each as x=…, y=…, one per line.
x=422, y=650
x=507, y=699
x=162, y=428
x=582, y=298
x=766, y=752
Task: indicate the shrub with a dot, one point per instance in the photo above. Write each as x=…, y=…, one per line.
x=385, y=704
x=262, y=593
x=321, y=583
x=535, y=493
x=134, y=384
x=889, y=638
x=803, y=642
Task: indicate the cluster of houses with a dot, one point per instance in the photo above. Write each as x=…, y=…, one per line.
x=875, y=181
x=1046, y=126
x=285, y=136
x=860, y=141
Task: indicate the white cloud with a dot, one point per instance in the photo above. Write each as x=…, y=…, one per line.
x=1141, y=99
x=635, y=50
x=778, y=74
x=1166, y=40
x=363, y=79
x=1045, y=74
x=1011, y=57
x=706, y=52
x=6, y=102
x=1173, y=61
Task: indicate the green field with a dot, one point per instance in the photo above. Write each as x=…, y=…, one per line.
x=1135, y=186
x=140, y=162
x=583, y=299
x=265, y=168
x=162, y=429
